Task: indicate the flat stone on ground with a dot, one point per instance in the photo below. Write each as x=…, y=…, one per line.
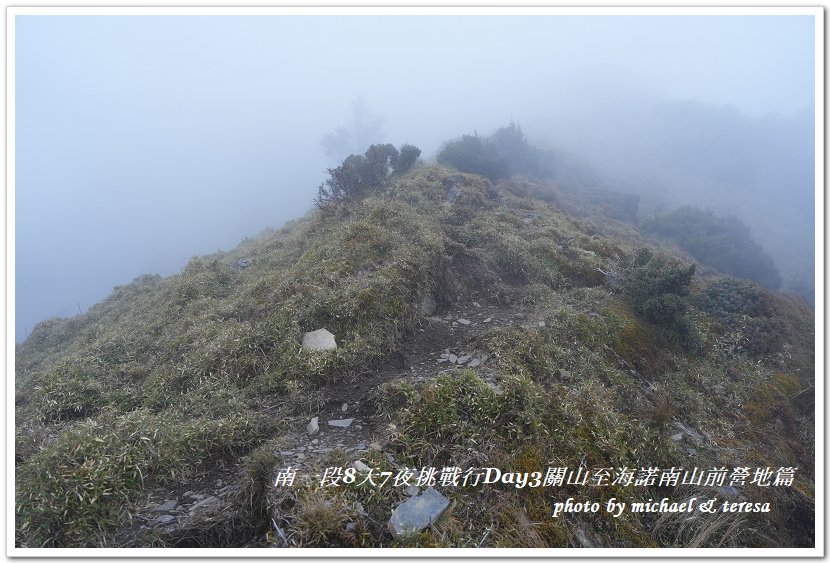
x=313, y=426
x=167, y=506
x=320, y=340
x=418, y=512
x=342, y=423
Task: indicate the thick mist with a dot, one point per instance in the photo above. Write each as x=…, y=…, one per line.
x=141, y=141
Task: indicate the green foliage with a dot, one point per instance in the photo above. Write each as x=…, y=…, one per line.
x=471, y=154
x=724, y=243
x=359, y=176
x=407, y=157
x=504, y=153
x=74, y=491
x=658, y=290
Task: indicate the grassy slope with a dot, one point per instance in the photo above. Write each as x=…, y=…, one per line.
x=166, y=375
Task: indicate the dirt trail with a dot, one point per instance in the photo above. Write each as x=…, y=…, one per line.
x=431, y=350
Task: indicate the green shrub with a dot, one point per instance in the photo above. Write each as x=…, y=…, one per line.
x=471, y=154
x=724, y=243
x=359, y=176
x=658, y=290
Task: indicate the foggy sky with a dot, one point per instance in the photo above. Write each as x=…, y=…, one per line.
x=144, y=140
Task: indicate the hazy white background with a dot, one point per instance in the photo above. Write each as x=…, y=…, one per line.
x=144, y=140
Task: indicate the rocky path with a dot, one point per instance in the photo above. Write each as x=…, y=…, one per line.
x=347, y=425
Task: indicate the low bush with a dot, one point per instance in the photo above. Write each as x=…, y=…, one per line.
x=724, y=243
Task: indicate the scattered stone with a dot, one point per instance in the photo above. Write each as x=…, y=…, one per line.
x=445, y=355
x=320, y=340
x=412, y=490
x=691, y=451
x=219, y=483
x=418, y=512
x=167, y=506
x=689, y=432
x=728, y=491
x=474, y=363
x=313, y=426
x=541, y=324
x=389, y=457
x=583, y=538
x=315, y=441
x=487, y=320
x=442, y=360
x=187, y=494
x=345, y=407
x=374, y=446
x=455, y=324
x=428, y=305
x=351, y=526
x=165, y=518
x=342, y=423
x=519, y=315
x=464, y=359
x=677, y=437
x=465, y=322
x=301, y=456
x=476, y=304
x=205, y=502
x=452, y=358
x=240, y=264
x=362, y=467
x=453, y=194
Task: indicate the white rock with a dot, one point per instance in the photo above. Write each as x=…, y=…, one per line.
x=418, y=512
x=465, y=322
x=452, y=358
x=345, y=407
x=362, y=467
x=320, y=340
x=313, y=426
x=342, y=423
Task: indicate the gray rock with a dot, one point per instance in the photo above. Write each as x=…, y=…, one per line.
x=345, y=407
x=165, y=518
x=474, y=363
x=465, y=322
x=362, y=467
x=203, y=503
x=452, y=358
x=476, y=304
x=464, y=359
x=240, y=264
x=728, y=491
x=677, y=437
x=487, y=320
x=418, y=512
x=453, y=193
x=320, y=340
x=428, y=305
x=412, y=490
x=541, y=324
x=442, y=360
x=689, y=432
x=342, y=423
x=167, y=506
x=313, y=426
